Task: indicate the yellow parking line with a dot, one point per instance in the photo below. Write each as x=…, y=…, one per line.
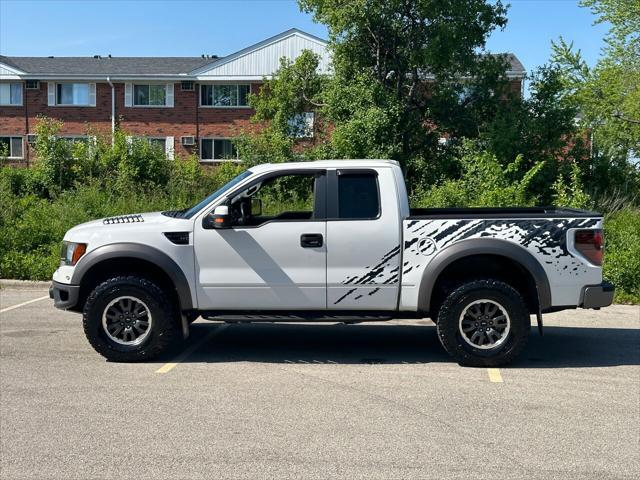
x=494, y=375
x=167, y=367
x=13, y=307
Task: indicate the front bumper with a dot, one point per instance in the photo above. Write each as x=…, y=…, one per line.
x=597, y=296
x=64, y=296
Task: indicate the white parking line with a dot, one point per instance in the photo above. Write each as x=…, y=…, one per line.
x=167, y=367
x=13, y=307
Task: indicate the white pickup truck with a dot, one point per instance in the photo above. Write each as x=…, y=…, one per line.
x=329, y=241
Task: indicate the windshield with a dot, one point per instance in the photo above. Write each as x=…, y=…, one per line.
x=196, y=208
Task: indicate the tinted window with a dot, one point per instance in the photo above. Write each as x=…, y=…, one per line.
x=358, y=196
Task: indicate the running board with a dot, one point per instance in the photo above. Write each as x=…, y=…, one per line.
x=298, y=317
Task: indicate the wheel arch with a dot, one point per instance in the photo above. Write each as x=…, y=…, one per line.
x=476, y=248
x=135, y=258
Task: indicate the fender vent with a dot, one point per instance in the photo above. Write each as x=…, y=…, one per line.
x=179, y=238
x=123, y=219
x=174, y=213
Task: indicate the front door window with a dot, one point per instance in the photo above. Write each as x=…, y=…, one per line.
x=282, y=198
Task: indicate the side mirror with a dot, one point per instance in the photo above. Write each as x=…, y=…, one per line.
x=256, y=207
x=219, y=218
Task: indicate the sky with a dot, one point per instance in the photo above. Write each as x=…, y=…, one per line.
x=192, y=28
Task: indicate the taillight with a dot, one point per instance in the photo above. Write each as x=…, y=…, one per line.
x=590, y=243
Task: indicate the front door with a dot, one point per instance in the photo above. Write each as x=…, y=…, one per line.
x=274, y=255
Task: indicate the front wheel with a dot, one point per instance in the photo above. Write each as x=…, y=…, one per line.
x=128, y=319
x=483, y=323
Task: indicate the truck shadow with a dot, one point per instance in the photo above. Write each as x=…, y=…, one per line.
x=560, y=347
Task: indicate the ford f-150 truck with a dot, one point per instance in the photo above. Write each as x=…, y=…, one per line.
x=343, y=247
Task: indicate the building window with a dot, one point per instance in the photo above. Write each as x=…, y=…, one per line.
x=10, y=94
x=217, y=149
x=224, y=95
x=158, y=142
x=301, y=125
x=150, y=95
x=76, y=138
x=11, y=147
x=72, y=94
x=162, y=145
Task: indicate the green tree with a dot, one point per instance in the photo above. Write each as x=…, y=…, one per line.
x=295, y=89
x=608, y=95
x=400, y=66
x=540, y=128
x=403, y=74
x=56, y=164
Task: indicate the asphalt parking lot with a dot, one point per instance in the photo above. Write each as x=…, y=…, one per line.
x=317, y=401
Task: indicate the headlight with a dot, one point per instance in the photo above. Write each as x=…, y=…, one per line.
x=71, y=252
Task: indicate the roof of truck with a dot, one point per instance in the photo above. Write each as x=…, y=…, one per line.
x=365, y=163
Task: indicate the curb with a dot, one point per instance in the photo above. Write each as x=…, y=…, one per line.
x=24, y=284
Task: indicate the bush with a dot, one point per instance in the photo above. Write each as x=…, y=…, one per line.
x=32, y=228
x=74, y=182
x=34, y=220
x=622, y=257
x=483, y=183
x=571, y=193
x=62, y=163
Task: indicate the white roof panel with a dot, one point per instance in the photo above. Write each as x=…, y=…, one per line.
x=263, y=58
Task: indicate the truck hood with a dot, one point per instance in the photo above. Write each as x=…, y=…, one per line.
x=121, y=225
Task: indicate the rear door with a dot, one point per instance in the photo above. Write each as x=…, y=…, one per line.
x=363, y=240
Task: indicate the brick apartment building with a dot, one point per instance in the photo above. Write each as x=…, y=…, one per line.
x=184, y=104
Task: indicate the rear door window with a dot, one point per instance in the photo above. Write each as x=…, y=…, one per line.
x=358, y=196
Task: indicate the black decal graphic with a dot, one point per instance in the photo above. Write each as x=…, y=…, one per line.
x=345, y=296
x=382, y=273
x=545, y=238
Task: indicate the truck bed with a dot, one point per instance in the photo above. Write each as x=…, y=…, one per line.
x=500, y=212
x=540, y=232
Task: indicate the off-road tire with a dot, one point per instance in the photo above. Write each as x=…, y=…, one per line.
x=449, y=317
x=165, y=326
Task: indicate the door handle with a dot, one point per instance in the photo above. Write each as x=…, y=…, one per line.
x=311, y=240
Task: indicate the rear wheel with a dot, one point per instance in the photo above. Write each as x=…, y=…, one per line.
x=483, y=323
x=129, y=319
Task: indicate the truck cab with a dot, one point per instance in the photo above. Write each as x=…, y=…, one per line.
x=328, y=241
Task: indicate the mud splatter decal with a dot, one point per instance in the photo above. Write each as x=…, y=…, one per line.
x=544, y=238
x=384, y=272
